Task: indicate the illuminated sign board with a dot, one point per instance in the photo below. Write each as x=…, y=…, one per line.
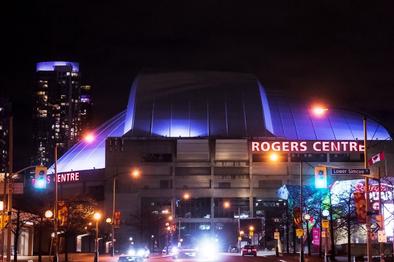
x=76, y=176
x=307, y=146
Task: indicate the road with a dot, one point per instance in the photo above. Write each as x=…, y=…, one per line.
x=88, y=257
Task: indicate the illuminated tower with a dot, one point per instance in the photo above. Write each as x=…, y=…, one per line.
x=56, y=109
x=85, y=108
x=5, y=110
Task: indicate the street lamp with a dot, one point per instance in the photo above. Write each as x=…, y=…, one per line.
x=307, y=217
x=134, y=173
x=97, y=217
x=48, y=214
x=185, y=196
x=273, y=157
x=226, y=204
x=88, y=139
x=320, y=111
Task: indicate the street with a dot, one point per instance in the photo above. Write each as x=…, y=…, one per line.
x=225, y=257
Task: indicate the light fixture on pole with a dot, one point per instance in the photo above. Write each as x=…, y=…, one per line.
x=56, y=213
x=307, y=217
x=97, y=217
x=301, y=210
x=135, y=173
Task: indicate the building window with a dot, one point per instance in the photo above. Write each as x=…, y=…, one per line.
x=351, y=157
x=157, y=158
x=270, y=184
x=308, y=157
x=224, y=185
x=165, y=184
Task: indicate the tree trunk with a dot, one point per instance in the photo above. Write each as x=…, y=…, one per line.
x=16, y=235
x=39, y=240
x=66, y=246
x=294, y=239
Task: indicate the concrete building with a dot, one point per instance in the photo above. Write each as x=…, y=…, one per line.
x=202, y=142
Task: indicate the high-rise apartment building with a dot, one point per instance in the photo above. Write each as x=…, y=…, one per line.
x=5, y=110
x=57, y=116
x=85, y=108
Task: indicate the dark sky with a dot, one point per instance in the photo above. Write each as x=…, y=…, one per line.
x=341, y=52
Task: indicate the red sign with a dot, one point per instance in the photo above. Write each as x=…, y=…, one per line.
x=307, y=146
x=359, y=200
x=116, y=219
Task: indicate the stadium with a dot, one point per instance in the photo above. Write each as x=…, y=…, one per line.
x=202, y=144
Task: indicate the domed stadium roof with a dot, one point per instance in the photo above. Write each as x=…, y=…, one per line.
x=214, y=104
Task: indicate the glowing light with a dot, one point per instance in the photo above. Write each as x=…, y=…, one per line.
x=307, y=217
x=319, y=110
x=325, y=212
x=97, y=216
x=108, y=220
x=274, y=157
x=135, y=173
x=241, y=232
x=170, y=218
x=89, y=138
x=50, y=65
x=48, y=214
x=251, y=228
x=226, y=204
x=186, y=196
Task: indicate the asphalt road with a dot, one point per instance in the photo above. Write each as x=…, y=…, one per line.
x=222, y=258
x=88, y=257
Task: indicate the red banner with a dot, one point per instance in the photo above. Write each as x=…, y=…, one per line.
x=316, y=236
x=359, y=200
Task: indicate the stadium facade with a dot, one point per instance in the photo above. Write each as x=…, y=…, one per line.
x=209, y=135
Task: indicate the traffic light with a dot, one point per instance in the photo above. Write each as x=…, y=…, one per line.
x=320, y=177
x=116, y=219
x=380, y=220
x=40, y=174
x=297, y=216
x=62, y=213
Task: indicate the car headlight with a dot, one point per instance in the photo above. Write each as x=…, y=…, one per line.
x=131, y=252
x=174, y=251
x=140, y=252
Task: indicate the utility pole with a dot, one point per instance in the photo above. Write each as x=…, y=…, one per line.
x=9, y=182
x=302, y=216
x=113, y=214
x=56, y=214
x=367, y=220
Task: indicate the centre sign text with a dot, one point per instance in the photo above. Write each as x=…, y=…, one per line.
x=307, y=146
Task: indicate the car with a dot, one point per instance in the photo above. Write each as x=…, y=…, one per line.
x=184, y=251
x=135, y=253
x=249, y=250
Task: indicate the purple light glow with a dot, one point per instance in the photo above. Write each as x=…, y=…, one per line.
x=50, y=65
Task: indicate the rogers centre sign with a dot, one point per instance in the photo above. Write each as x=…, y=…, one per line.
x=307, y=146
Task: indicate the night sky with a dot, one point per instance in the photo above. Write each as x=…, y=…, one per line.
x=340, y=52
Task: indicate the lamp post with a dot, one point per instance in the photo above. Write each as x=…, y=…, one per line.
x=319, y=111
x=307, y=217
x=185, y=196
x=135, y=174
x=301, y=207
x=56, y=213
x=97, y=217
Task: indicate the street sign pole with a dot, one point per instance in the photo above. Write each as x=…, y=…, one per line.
x=367, y=220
